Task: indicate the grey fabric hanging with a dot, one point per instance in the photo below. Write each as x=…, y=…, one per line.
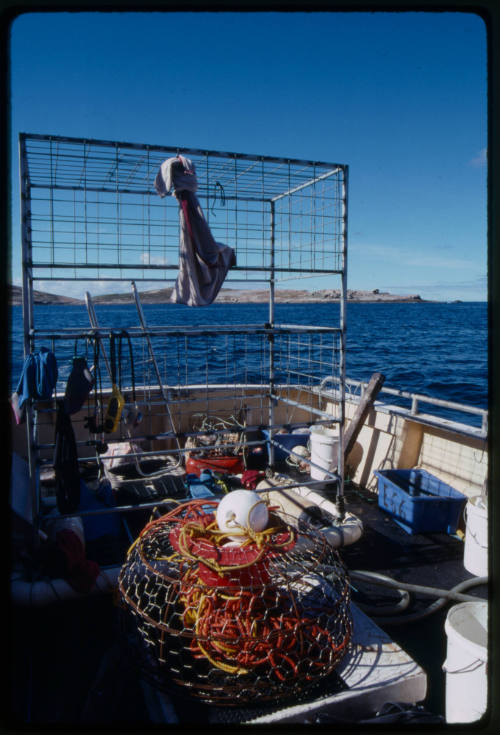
x=203, y=262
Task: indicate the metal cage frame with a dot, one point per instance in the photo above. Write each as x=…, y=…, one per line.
x=90, y=212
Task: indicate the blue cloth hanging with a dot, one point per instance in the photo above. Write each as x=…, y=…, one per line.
x=38, y=377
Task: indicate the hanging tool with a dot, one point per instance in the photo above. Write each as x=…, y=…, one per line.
x=173, y=465
x=131, y=414
x=117, y=401
x=157, y=370
x=90, y=422
x=114, y=409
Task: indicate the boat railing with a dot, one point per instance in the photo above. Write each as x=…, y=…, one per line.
x=355, y=388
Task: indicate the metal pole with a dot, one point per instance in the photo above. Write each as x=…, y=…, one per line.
x=307, y=183
x=271, y=337
x=343, y=326
x=27, y=295
x=142, y=320
x=94, y=323
x=27, y=255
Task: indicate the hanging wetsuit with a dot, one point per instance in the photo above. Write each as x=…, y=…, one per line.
x=203, y=262
x=66, y=462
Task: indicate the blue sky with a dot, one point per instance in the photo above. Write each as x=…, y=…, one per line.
x=400, y=97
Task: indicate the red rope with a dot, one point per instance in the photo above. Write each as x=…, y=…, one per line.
x=238, y=629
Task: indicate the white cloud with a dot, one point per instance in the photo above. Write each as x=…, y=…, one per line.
x=472, y=283
x=77, y=289
x=474, y=289
x=414, y=259
x=148, y=259
x=480, y=160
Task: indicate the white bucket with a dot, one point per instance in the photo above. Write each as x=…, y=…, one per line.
x=466, y=656
x=324, y=448
x=476, y=537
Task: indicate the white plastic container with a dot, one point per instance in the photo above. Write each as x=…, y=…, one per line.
x=324, y=451
x=466, y=681
x=476, y=537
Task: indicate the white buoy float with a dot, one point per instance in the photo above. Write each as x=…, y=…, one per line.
x=242, y=511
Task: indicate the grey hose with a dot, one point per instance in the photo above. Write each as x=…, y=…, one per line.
x=444, y=596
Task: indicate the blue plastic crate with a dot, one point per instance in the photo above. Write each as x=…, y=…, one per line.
x=419, y=502
x=287, y=440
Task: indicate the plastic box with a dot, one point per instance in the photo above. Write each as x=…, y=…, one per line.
x=418, y=501
x=288, y=440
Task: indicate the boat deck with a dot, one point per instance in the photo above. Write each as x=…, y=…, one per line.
x=68, y=667
x=427, y=559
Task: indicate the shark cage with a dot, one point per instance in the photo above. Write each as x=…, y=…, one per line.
x=155, y=398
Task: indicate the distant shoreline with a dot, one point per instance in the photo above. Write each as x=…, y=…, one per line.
x=228, y=296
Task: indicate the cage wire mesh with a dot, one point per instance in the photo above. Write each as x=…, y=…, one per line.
x=203, y=357
x=263, y=620
x=90, y=213
x=94, y=212
x=227, y=372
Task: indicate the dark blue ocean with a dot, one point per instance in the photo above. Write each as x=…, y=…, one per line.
x=435, y=349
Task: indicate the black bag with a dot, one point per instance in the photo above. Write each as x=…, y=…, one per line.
x=79, y=385
x=66, y=463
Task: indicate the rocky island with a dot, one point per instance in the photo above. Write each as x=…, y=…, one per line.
x=227, y=296
x=15, y=296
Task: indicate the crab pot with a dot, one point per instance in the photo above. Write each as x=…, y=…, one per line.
x=229, y=624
